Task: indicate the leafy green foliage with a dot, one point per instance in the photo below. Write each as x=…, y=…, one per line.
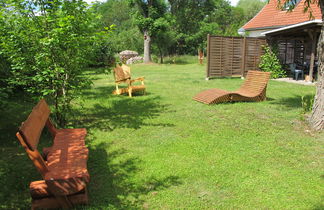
x=215, y=17
x=250, y=7
x=164, y=38
x=270, y=63
x=168, y=22
x=5, y=88
x=307, y=103
x=148, y=15
x=126, y=34
x=48, y=44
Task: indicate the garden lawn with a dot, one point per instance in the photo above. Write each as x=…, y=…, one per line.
x=165, y=151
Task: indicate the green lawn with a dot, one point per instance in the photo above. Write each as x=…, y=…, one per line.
x=166, y=151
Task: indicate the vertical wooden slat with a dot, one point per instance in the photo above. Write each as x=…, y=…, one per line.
x=243, y=56
x=221, y=56
x=208, y=57
x=255, y=55
x=286, y=50
x=232, y=56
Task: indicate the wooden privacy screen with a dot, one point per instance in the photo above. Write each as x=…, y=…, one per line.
x=233, y=56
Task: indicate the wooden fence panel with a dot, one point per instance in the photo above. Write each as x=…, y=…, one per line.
x=253, y=53
x=232, y=56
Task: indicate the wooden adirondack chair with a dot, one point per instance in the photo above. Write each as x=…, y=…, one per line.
x=123, y=75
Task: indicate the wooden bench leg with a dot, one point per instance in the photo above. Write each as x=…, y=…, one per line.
x=33, y=207
x=64, y=202
x=86, y=195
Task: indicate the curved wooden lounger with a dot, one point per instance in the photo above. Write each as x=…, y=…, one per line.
x=253, y=89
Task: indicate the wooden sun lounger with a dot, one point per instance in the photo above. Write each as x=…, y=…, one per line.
x=253, y=89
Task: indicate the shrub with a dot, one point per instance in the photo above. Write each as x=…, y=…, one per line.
x=48, y=52
x=270, y=63
x=307, y=103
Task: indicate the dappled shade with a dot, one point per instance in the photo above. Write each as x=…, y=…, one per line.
x=113, y=172
x=122, y=113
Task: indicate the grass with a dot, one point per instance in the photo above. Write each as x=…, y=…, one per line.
x=165, y=151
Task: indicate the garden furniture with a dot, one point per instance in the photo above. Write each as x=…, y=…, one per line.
x=296, y=72
x=123, y=75
x=253, y=89
x=63, y=166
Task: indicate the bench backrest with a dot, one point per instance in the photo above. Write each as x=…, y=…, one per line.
x=32, y=128
x=122, y=73
x=255, y=82
x=30, y=132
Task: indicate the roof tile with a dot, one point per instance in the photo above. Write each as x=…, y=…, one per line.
x=271, y=16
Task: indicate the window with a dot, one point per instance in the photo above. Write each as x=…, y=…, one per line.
x=290, y=4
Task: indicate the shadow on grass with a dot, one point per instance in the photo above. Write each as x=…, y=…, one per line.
x=16, y=172
x=225, y=78
x=180, y=60
x=113, y=182
x=270, y=99
x=14, y=112
x=320, y=206
x=293, y=101
x=121, y=112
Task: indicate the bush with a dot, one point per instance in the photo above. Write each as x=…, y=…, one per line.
x=270, y=63
x=307, y=103
x=48, y=52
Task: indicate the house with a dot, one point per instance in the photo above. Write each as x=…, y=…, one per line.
x=295, y=33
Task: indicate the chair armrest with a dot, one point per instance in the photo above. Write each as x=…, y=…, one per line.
x=119, y=82
x=137, y=79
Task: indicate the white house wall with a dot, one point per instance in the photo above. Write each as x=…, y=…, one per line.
x=256, y=33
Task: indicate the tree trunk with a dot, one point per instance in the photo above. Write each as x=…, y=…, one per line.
x=161, y=55
x=147, y=47
x=317, y=118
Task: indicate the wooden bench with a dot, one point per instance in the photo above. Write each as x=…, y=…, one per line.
x=63, y=166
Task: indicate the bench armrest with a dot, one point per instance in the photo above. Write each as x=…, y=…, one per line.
x=51, y=128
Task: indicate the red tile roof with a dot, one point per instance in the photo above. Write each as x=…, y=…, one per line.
x=271, y=16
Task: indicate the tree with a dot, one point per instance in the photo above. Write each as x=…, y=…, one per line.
x=48, y=44
x=250, y=8
x=165, y=37
x=170, y=32
x=126, y=35
x=316, y=119
x=198, y=14
x=215, y=17
x=148, y=12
